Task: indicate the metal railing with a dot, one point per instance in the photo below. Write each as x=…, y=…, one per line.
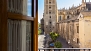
x=64, y=49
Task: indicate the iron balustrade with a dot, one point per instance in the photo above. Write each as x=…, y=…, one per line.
x=64, y=49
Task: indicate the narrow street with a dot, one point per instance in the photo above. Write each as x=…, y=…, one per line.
x=63, y=42
x=41, y=41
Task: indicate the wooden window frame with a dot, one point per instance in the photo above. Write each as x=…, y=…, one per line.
x=4, y=16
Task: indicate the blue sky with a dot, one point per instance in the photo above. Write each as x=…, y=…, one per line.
x=60, y=4
x=29, y=7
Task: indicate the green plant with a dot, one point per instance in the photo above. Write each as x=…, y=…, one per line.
x=54, y=36
x=39, y=32
x=58, y=44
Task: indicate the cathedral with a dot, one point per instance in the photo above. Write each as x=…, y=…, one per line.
x=72, y=24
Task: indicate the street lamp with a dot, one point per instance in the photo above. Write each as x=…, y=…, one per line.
x=69, y=42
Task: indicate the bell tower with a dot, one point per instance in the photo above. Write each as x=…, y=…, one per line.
x=83, y=1
x=50, y=16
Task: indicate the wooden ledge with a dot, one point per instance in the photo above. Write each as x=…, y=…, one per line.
x=19, y=16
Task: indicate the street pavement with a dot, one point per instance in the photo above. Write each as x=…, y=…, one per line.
x=63, y=42
x=41, y=41
x=44, y=38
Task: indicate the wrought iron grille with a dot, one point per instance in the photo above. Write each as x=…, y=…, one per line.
x=64, y=49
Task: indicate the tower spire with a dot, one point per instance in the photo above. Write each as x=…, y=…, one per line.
x=89, y=0
x=85, y=1
x=82, y=1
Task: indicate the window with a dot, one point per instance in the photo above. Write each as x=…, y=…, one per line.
x=49, y=2
x=67, y=17
x=77, y=40
x=29, y=7
x=50, y=7
x=50, y=16
x=77, y=29
x=49, y=12
x=70, y=28
x=60, y=17
x=50, y=22
x=28, y=36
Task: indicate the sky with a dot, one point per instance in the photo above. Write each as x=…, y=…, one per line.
x=60, y=4
x=29, y=7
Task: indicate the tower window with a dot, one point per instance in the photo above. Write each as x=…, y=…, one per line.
x=50, y=22
x=50, y=16
x=50, y=2
x=49, y=7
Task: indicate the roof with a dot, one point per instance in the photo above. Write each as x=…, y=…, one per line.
x=86, y=13
x=73, y=18
x=88, y=2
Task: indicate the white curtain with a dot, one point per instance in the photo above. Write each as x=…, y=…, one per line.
x=14, y=34
x=15, y=6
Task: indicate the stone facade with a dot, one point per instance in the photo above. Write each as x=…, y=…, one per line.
x=42, y=25
x=50, y=16
x=74, y=25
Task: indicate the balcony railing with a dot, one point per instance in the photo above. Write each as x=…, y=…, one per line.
x=64, y=49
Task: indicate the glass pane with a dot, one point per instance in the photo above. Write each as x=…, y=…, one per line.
x=28, y=36
x=14, y=35
x=29, y=8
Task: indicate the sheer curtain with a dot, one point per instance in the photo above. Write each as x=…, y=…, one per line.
x=19, y=35
x=14, y=34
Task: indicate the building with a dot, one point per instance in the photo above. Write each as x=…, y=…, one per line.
x=50, y=16
x=74, y=25
x=42, y=25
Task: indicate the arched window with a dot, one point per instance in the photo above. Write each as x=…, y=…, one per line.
x=77, y=40
x=60, y=17
x=67, y=17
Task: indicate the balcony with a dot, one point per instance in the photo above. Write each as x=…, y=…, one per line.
x=64, y=49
